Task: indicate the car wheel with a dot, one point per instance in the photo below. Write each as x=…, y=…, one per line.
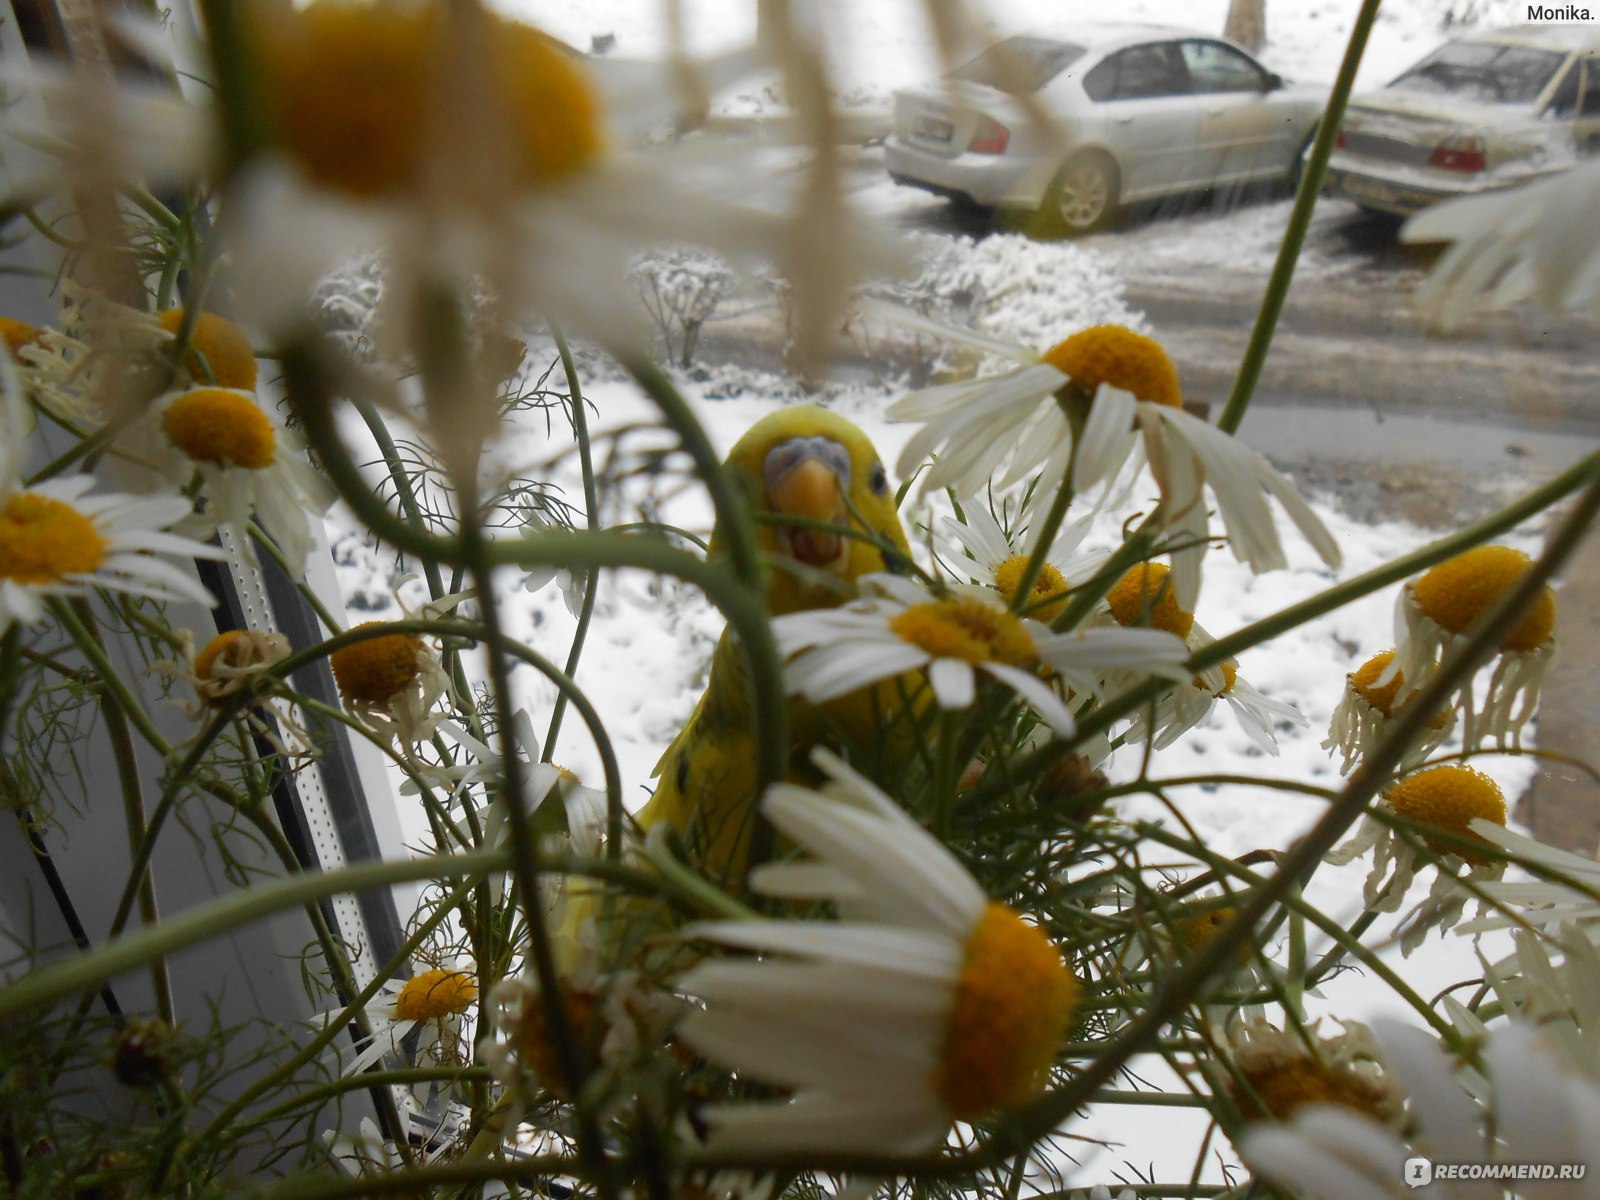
x=1083, y=197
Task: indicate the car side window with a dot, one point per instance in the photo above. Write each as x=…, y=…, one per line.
x=1216, y=67
x=1564, y=101
x=1591, y=87
x=1139, y=73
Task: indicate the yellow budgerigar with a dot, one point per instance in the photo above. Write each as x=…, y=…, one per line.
x=804, y=468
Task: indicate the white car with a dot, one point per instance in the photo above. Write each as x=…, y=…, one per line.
x=1482, y=112
x=1140, y=111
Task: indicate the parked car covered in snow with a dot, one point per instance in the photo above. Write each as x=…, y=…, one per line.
x=1485, y=111
x=1138, y=112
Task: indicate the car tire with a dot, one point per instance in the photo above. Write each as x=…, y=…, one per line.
x=1083, y=197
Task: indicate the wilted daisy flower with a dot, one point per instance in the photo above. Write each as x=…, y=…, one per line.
x=606, y=1018
x=925, y=1004
x=1537, y=240
x=1565, y=890
x=1551, y=982
x=217, y=352
x=1146, y=595
x=1436, y=610
x=478, y=765
x=237, y=660
x=897, y=627
x=978, y=549
x=435, y=1002
x=1367, y=710
x=1539, y=1113
x=1449, y=798
x=391, y=682
x=1074, y=415
x=57, y=540
x=1272, y=1074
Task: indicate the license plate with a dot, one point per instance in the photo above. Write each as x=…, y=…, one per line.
x=932, y=129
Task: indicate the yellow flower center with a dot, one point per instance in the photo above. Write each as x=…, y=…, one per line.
x=1364, y=679
x=17, y=334
x=1013, y=1004
x=1196, y=930
x=352, y=93
x=1449, y=797
x=434, y=994
x=965, y=629
x=1460, y=590
x=378, y=668
x=1045, y=600
x=222, y=426
x=235, y=650
x=43, y=539
x=219, y=352
x=1117, y=355
x=1145, y=594
x=1285, y=1086
x=535, y=1045
x=1230, y=676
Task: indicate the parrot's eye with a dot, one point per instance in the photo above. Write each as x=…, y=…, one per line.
x=880, y=479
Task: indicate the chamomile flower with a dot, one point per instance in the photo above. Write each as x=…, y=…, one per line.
x=243, y=461
x=1537, y=240
x=1273, y=1073
x=391, y=681
x=58, y=540
x=1074, y=415
x=607, y=1017
x=925, y=1004
x=1367, y=710
x=978, y=549
x=234, y=661
x=478, y=765
x=1538, y=1112
x=898, y=627
x=1450, y=798
x=1551, y=981
x=1435, y=611
x=435, y=1003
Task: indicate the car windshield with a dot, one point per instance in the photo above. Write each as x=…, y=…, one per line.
x=1020, y=64
x=1483, y=72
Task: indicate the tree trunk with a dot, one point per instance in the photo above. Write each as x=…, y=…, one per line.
x=1247, y=24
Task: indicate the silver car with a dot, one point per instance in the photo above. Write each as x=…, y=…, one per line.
x=1482, y=112
x=1140, y=111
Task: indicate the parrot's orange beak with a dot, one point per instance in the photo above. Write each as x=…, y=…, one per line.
x=806, y=478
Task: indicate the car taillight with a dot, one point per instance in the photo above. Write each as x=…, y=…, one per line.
x=991, y=137
x=1460, y=154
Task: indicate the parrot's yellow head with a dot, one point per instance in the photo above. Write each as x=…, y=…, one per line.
x=806, y=468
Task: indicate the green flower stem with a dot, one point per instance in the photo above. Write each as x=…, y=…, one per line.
x=353, y=1012
x=1148, y=1099
x=1024, y=1127
x=1046, y=533
x=294, y=571
x=368, y=1079
x=84, y=445
x=742, y=602
x=591, y=583
x=1583, y=472
x=736, y=525
x=404, y=492
x=106, y=675
x=1255, y=354
x=50, y=983
x=134, y=814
